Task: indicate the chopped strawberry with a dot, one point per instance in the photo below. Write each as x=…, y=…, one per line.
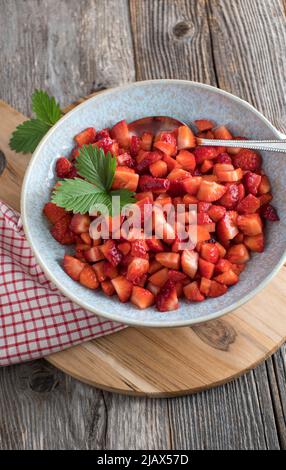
x=139, y=248
x=264, y=186
x=203, y=218
x=238, y=238
x=167, y=298
x=176, y=188
x=107, y=145
x=86, y=238
x=124, y=247
x=238, y=268
x=60, y=231
x=123, y=288
x=125, y=159
x=192, y=184
x=265, y=199
x=209, y=252
x=224, y=158
x=148, y=159
x=216, y=212
x=135, y=145
x=227, y=227
x=141, y=297
x=154, y=244
x=148, y=183
x=189, y=262
x=203, y=124
x=152, y=288
x=247, y=160
x=177, y=276
x=217, y=289
x=159, y=277
x=223, y=265
x=158, y=169
x=192, y=292
x=63, y=167
x=99, y=270
x=187, y=160
x=229, y=175
x=255, y=243
x=120, y=133
x=228, y=278
x=238, y=254
x=74, y=153
x=221, y=249
x=171, y=163
x=268, y=212
x=222, y=133
x=124, y=179
x=205, y=286
x=103, y=134
x=146, y=141
x=137, y=268
x=111, y=252
x=169, y=260
x=251, y=182
x=250, y=224
x=110, y=270
x=154, y=266
x=53, y=212
x=93, y=254
x=231, y=197
x=73, y=267
x=205, y=153
x=88, y=278
x=185, y=138
x=207, y=166
x=166, y=143
x=80, y=223
x=210, y=191
x=206, y=268
x=107, y=288
x=248, y=205
x=86, y=137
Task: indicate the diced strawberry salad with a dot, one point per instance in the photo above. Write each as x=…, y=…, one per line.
x=229, y=187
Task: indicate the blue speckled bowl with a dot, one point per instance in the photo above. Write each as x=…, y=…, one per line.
x=186, y=101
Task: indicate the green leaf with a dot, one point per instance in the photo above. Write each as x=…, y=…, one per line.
x=77, y=195
x=126, y=196
x=27, y=136
x=45, y=107
x=96, y=167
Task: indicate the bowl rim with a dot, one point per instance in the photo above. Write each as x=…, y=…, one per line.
x=116, y=317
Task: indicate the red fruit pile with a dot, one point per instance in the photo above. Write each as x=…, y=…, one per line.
x=228, y=185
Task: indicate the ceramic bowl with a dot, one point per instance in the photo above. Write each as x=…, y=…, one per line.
x=186, y=101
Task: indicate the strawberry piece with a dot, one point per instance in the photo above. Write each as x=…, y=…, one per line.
x=227, y=227
x=251, y=182
x=248, y=205
x=185, y=138
x=159, y=277
x=154, y=266
x=238, y=238
x=204, y=206
x=192, y=184
x=216, y=212
x=152, y=288
x=255, y=243
x=224, y=158
x=230, y=198
x=223, y=265
x=209, y=252
x=203, y=232
x=210, y=191
x=154, y=244
x=166, y=143
x=53, y=212
x=125, y=159
x=247, y=160
x=158, y=169
x=223, y=167
x=124, y=179
x=123, y=288
x=107, y=288
x=111, y=253
x=192, y=292
x=217, y=289
x=205, y=286
x=80, y=223
x=103, y=134
x=73, y=267
x=158, y=185
x=177, y=276
x=86, y=137
x=107, y=145
x=229, y=175
x=189, y=261
x=110, y=270
x=176, y=188
x=221, y=249
x=99, y=270
x=61, y=229
x=146, y=140
x=141, y=297
x=203, y=125
x=137, y=268
x=264, y=186
x=238, y=254
x=74, y=153
x=148, y=159
x=222, y=133
x=206, y=166
x=205, y=153
x=120, y=133
x=187, y=160
x=238, y=268
x=268, y=212
x=250, y=224
x=63, y=167
x=206, y=268
x=139, y=248
x=124, y=247
x=228, y=278
x=178, y=174
x=86, y=238
x=167, y=298
x=171, y=163
x=203, y=218
x=93, y=254
x=169, y=260
x=88, y=278
x=265, y=199
x=135, y=145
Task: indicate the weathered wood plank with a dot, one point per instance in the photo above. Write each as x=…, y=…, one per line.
x=69, y=48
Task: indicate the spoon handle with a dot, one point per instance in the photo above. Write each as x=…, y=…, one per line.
x=270, y=145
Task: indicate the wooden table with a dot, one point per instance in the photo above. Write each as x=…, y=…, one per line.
x=72, y=48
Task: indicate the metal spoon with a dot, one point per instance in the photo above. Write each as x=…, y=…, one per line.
x=156, y=124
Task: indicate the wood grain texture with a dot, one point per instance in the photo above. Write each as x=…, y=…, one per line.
x=226, y=417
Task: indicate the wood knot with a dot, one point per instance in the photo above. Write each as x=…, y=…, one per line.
x=3, y=162
x=43, y=382
x=183, y=29
x=217, y=333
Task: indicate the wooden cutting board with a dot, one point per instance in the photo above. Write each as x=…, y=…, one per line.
x=162, y=362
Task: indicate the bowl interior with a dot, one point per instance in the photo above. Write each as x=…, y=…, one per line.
x=185, y=101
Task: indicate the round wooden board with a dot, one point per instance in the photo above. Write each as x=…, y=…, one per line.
x=170, y=362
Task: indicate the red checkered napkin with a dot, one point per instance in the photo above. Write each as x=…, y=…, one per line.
x=35, y=318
